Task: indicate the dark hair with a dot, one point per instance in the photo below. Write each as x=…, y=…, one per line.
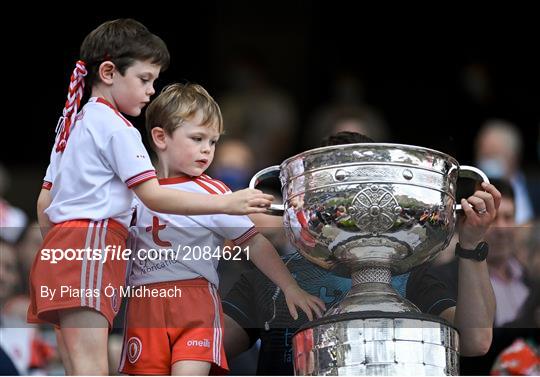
x=122, y=42
x=345, y=137
x=504, y=187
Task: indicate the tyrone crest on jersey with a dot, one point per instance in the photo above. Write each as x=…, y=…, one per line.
x=134, y=349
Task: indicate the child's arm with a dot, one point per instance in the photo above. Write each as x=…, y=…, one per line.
x=44, y=201
x=266, y=258
x=166, y=200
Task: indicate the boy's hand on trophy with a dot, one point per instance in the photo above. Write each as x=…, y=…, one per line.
x=246, y=201
x=297, y=297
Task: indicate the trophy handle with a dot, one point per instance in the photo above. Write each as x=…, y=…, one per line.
x=466, y=171
x=261, y=175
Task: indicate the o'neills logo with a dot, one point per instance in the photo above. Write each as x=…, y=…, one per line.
x=134, y=349
x=199, y=343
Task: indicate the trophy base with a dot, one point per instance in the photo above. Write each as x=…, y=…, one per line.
x=375, y=344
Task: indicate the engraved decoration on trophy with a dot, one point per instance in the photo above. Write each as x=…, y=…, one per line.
x=371, y=211
x=374, y=209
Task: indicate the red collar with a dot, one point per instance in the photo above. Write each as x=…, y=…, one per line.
x=107, y=103
x=174, y=180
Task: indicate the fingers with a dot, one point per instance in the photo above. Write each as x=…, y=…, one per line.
x=492, y=190
x=309, y=305
x=259, y=202
x=257, y=210
x=251, y=191
x=257, y=194
x=317, y=308
x=307, y=309
x=467, y=209
x=320, y=303
x=478, y=205
x=292, y=310
x=489, y=203
x=268, y=197
x=485, y=202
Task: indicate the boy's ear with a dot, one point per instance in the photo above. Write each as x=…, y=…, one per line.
x=106, y=72
x=158, y=137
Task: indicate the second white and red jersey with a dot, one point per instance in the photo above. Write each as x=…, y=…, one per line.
x=104, y=158
x=173, y=247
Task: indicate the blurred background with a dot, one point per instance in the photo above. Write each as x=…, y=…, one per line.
x=284, y=73
x=460, y=80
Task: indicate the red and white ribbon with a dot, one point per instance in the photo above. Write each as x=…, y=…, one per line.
x=75, y=94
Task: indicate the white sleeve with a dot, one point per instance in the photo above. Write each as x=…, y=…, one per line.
x=128, y=157
x=238, y=229
x=47, y=181
x=52, y=169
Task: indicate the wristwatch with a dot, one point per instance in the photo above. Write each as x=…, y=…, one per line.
x=480, y=253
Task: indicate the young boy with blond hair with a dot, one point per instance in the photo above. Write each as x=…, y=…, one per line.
x=181, y=334
x=97, y=164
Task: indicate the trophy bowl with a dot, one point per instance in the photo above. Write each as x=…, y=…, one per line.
x=352, y=206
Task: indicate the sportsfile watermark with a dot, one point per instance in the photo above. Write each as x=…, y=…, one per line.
x=160, y=242
x=117, y=253
x=83, y=280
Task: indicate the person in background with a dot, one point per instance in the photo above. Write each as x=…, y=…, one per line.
x=498, y=149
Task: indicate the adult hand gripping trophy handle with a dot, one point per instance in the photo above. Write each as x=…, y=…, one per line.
x=471, y=172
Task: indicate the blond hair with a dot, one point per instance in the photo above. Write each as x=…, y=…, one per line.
x=179, y=102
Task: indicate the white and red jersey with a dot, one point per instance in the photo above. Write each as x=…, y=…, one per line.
x=103, y=160
x=182, y=240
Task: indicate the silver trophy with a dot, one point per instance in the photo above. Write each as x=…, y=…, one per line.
x=370, y=211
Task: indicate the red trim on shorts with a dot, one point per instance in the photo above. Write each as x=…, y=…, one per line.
x=162, y=342
x=115, y=225
x=112, y=224
x=140, y=178
x=84, y=274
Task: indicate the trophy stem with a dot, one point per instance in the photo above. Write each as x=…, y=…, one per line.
x=372, y=291
x=371, y=275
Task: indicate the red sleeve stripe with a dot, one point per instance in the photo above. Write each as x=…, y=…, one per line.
x=46, y=185
x=216, y=184
x=205, y=186
x=140, y=178
x=223, y=185
x=252, y=232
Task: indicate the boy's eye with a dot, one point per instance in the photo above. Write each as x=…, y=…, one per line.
x=196, y=138
x=213, y=142
x=144, y=80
